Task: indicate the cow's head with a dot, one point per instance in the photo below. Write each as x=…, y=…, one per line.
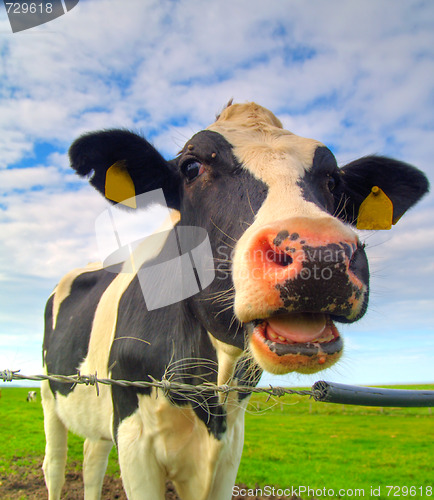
x=279, y=214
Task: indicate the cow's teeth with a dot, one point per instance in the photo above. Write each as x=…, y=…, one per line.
x=326, y=339
x=273, y=337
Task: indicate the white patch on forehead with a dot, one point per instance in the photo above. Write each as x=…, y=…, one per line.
x=259, y=139
x=273, y=155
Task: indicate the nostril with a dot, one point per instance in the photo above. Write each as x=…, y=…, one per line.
x=282, y=259
x=357, y=254
x=274, y=250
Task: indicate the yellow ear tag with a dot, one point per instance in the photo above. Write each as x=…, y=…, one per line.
x=119, y=186
x=376, y=211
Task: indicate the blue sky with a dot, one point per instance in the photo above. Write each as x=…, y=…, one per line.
x=358, y=76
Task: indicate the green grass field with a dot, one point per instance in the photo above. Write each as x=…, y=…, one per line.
x=289, y=441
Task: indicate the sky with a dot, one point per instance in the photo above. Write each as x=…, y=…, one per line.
x=357, y=76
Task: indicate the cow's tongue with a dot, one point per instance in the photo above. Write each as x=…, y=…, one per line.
x=299, y=328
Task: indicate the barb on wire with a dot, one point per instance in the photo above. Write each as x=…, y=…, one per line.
x=165, y=385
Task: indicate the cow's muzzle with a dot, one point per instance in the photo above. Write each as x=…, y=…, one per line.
x=293, y=280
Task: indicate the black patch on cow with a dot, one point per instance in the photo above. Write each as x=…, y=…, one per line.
x=225, y=185
x=211, y=148
x=321, y=179
x=66, y=346
x=280, y=237
x=323, y=284
x=167, y=342
x=224, y=188
x=48, y=321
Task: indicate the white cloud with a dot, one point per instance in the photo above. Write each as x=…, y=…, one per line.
x=26, y=178
x=401, y=260
x=47, y=234
x=14, y=146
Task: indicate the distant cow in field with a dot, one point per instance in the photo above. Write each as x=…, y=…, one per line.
x=31, y=396
x=279, y=215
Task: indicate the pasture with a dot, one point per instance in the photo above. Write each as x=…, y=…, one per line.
x=289, y=441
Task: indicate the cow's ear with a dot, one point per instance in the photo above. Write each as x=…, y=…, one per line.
x=401, y=186
x=122, y=165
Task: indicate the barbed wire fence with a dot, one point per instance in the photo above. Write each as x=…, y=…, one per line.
x=325, y=392
x=165, y=385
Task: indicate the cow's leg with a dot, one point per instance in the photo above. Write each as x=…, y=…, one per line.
x=226, y=468
x=142, y=476
x=94, y=466
x=230, y=458
x=56, y=435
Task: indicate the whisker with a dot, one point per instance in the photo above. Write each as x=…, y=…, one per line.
x=221, y=230
x=233, y=320
x=225, y=294
x=345, y=200
x=224, y=310
x=232, y=287
x=250, y=204
x=132, y=338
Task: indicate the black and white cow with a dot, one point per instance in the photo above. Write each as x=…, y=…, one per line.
x=31, y=396
x=279, y=214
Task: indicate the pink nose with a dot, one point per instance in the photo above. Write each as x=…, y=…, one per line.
x=300, y=265
x=284, y=254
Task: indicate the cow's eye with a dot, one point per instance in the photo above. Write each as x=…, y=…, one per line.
x=192, y=169
x=331, y=182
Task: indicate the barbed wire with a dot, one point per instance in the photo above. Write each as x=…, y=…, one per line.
x=325, y=392
x=165, y=385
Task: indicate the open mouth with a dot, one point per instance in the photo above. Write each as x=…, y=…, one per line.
x=312, y=335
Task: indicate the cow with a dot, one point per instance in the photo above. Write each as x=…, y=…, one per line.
x=31, y=396
x=289, y=267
